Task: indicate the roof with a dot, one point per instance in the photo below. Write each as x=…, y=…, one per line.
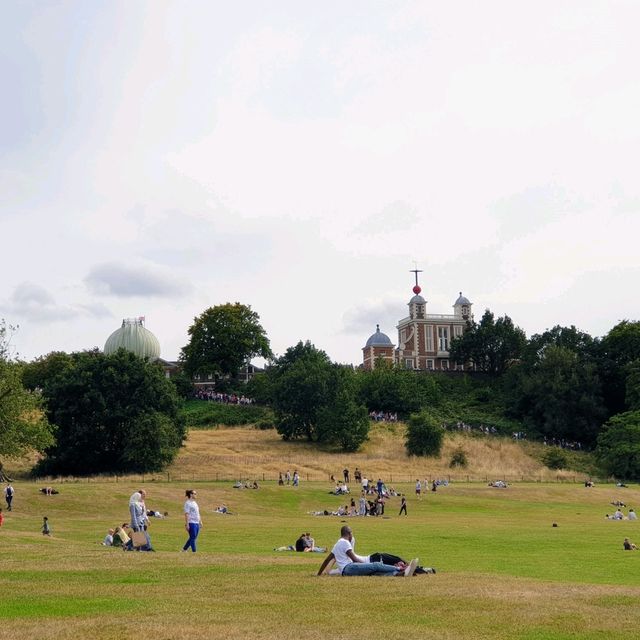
x=417, y=299
x=379, y=339
x=461, y=300
x=133, y=337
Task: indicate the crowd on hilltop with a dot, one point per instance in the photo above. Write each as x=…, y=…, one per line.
x=383, y=416
x=563, y=444
x=223, y=398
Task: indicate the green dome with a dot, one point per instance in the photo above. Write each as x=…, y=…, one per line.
x=133, y=337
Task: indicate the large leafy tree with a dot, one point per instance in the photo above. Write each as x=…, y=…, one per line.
x=315, y=399
x=582, y=344
x=114, y=413
x=618, y=350
x=23, y=425
x=618, y=447
x=492, y=345
x=394, y=389
x=222, y=339
x=559, y=396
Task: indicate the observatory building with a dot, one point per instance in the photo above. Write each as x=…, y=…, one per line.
x=423, y=338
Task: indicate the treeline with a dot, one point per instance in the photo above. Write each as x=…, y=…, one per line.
x=561, y=385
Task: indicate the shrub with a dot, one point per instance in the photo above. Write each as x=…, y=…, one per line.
x=424, y=435
x=555, y=459
x=459, y=458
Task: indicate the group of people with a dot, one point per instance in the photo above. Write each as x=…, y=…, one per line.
x=287, y=478
x=619, y=515
x=224, y=398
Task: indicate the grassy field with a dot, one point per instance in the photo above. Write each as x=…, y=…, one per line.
x=503, y=571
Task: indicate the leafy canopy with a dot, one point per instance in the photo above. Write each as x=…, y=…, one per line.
x=23, y=426
x=492, y=345
x=114, y=413
x=222, y=339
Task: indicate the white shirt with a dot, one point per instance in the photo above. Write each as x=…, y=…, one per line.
x=192, y=511
x=339, y=551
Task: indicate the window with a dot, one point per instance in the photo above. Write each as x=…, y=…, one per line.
x=445, y=365
x=443, y=338
x=457, y=330
x=408, y=363
x=428, y=338
x=430, y=365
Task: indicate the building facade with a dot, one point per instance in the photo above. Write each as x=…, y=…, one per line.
x=423, y=338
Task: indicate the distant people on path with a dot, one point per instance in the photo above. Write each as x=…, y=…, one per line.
x=46, y=529
x=403, y=506
x=379, y=486
x=357, y=475
x=280, y=480
x=628, y=545
x=288, y=476
x=9, y=492
x=345, y=473
x=192, y=520
x=350, y=564
x=296, y=478
x=418, y=488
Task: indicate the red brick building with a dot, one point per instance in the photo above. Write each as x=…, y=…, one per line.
x=423, y=338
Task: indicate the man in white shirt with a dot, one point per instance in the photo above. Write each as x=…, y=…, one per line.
x=350, y=564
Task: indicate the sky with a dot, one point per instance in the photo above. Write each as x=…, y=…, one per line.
x=159, y=158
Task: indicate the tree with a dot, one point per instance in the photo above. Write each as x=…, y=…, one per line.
x=425, y=435
x=343, y=420
x=618, y=447
x=23, y=426
x=222, y=339
x=618, y=349
x=582, y=344
x=492, y=345
x=390, y=389
x=300, y=389
x=558, y=397
x=315, y=399
x=115, y=413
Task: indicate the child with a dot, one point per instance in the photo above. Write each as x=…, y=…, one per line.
x=46, y=530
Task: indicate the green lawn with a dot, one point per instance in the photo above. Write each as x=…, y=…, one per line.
x=503, y=570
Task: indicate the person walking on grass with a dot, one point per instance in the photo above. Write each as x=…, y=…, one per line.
x=192, y=521
x=46, y=529
x=8, y=496
x=403, y=506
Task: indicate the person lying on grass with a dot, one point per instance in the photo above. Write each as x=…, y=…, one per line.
x=349, y=564
x=628, y=545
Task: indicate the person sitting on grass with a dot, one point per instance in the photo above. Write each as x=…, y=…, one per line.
x=632, y=515
x=628, y=545
x=121, y=538
x=108, y=539
x=349, y=564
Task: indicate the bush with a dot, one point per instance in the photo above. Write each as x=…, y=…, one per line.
x=424, y=435
x=555, y=458
x=200, y=414
x=459, y=458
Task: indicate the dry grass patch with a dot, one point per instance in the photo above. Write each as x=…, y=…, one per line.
x=245, y=452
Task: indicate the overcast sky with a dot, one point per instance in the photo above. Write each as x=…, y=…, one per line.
x=158, y=158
